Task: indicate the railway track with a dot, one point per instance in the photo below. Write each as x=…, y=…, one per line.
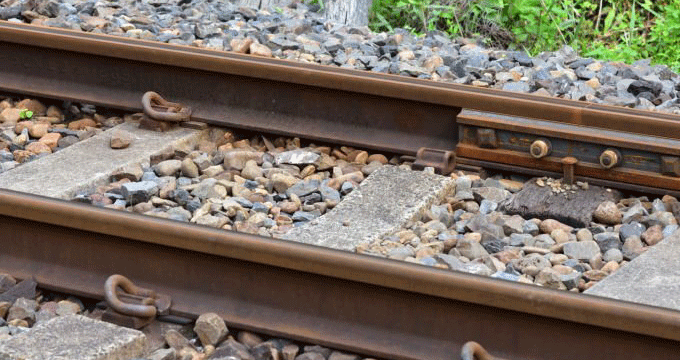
x=396, y=310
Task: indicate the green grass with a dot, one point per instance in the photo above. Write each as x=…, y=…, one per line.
x=625, y=30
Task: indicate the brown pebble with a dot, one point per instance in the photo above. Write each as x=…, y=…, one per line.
x=55, y=112
x=21, y=156
x=120, y=139
x=38, y=148
x=652, y=235
x=21, y=125
x=51, y=140
x=240, y=45
x=35, y=106
x=361, y=157
x=377, y=157
x=260, y=50
x=81, y=124
x=10, y=115
x=38, y=130
x=249, y=339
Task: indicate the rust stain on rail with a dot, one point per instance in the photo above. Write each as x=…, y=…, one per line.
x=373, y=306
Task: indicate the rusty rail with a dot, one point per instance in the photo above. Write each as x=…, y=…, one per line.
x=378, y=307
x=375, y=111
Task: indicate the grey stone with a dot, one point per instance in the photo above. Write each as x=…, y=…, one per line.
x=402, y=195
x=471, y=249
x=487, y=206
x=206, y=189
x=505, y=276
x=304, y=188
x=582, y=250
x=530, y=227
x=449, y=260
x=23, y=309
x=571, y=280
x=613, y=254
x=74, y=337
x=544, y=241
x=23, y=289
x=137, y=192
x=6, y=282
x=304, y=216
x=631, y=247
x=298, y=157
x=401, y=253
x=231, y=348
x=515, y=224
x=635, y=212
x=163, y=354
x=535, y=260
x=328, y=193
x=520, y=239
x=520, y=86
x=631, y=229
x=477, y=269
x=490, y=193
x=607, y=240
x=669, y=230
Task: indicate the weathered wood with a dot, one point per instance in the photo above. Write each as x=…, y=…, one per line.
x=574, y=209
x=349, y=12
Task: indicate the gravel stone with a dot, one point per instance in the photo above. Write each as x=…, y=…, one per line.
x=608, y=213
x=582, y=250
x=139, y=192
x=631, y=229
x=607, y=240
x=210, y=328
x=652, y=235
x=168, y=167
x=613, y=255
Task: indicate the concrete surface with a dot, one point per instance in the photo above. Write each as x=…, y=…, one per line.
x=89, y=163
x=74, y=337
x=384, y=202
x=652, y=278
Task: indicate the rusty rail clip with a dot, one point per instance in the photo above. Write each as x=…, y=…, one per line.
x=442, y=161
x=133, y=307
x=473, y=351
x=157, y=108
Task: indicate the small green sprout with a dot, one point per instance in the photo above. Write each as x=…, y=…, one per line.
x=25, y=114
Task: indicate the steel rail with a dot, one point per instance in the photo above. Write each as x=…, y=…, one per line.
x=378, y=307
x=382, y=111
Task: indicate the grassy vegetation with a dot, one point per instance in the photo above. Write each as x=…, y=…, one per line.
x=624, y=30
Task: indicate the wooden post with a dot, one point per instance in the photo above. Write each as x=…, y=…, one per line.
x=348, y=12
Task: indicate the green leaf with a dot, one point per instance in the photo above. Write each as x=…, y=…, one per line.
x=608, y=20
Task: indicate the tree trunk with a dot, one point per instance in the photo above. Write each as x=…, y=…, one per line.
x=348, y=12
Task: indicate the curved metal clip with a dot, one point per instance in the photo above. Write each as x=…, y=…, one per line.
x=160, y=109
x=147, y=304
x=473, y=351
